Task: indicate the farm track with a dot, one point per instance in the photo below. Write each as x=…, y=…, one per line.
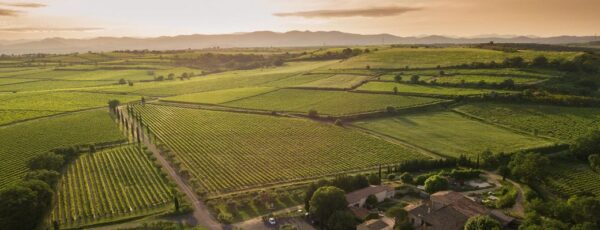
x=201, y=216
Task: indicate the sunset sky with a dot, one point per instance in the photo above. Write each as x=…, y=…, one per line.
x=90, y=18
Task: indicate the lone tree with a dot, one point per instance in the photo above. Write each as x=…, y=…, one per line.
x=326, y=201
x=398, y=78
x=482, y=223
x=113, y=104
x=395, y=90
x=313, y=113
x=414, y=79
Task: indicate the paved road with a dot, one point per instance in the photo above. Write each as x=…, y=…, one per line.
x=201, y=216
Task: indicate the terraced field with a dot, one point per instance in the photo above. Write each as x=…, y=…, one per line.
x=450, y=134
x=110, y=185
x=564, y=123
x=22, y=106
x=228, y=151
x=18, y=143
x=327, y=102
x=573, y=178
x=219, y=96
x=397, y=58
x=424, y=89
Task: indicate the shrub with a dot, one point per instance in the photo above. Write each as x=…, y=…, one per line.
x=338, y=122
x=407, y=178
x=313, y=113
x=435, y=184
x=391, y=176
x=225, y=218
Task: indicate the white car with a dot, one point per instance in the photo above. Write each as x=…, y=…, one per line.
x=272, y=221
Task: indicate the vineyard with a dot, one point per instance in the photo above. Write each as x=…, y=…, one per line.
x=22, y=106
x=570, y=179
x=108, y=185
x=338, y=81
x=224, y=151
x=564, y=123
x=22, y=141
x=423, y=89
x=431, y=131
x=327, y=102
x=432, y=57
x=219, y=96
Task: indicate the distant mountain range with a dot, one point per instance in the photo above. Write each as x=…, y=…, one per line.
x=257, y=39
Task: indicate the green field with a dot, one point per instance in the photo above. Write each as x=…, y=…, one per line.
x=219, y=96
x=424, y=89
x=500, y=72
x=228, y=151
x=225, y=80
x=573, y=178
x=338, y=81
x=21, y=106
x=8, y=81
x=108, y=185
x=564, y=123
x=18, y=143
x=51, y=85
x=450, y=134
x=397, y=58
x=327, y=102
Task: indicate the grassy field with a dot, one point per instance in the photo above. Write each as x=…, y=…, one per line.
x=51, y=85
x=423, y=89
x=8, y=81
x=21, y=106
x=500, y=72
x=18, y=143
x=219, y=96
x=396, y=58
x=219, y=81
x=338, y=81
x=228, y=151
x=573, y=178
x=564, y=123
x=108, y=185
x=451, y=134
x=327, y=102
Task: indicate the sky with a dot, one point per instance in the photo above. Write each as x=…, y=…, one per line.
x=38, y=19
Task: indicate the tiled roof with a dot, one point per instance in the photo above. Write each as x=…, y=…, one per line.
x=356, y=196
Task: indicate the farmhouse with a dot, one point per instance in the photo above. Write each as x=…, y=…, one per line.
x=358, y=198
x=449, y=210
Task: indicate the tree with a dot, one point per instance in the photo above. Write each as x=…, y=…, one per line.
x=18, y=208
x=50, y=177
x=342, y=220
x=398, y=78
x=371, y=201
x=482, y=223
x=406, y=178
x=399, y=214
x=594, y=160
x=113, y=104
x=540, y=61
x=374, y=179
x=414, y=79
x=435, y=184
x=584, y=209
x=313, y=113
x=176, y=203
x=528, y=166
x=122, y=81
x=395, y=90
x=584, y=146
x=326, y=201
x=43, y=193
x=47, y=160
